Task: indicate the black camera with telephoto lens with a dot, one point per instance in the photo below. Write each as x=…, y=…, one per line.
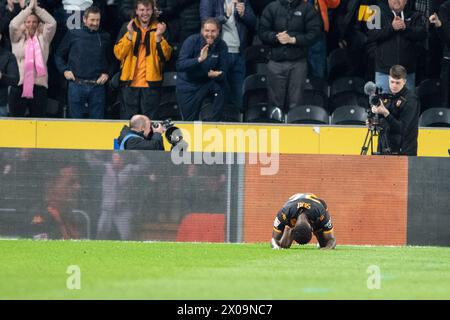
x=165, y=124
x=173, y=134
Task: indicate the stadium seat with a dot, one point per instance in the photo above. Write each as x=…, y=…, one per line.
x=347, y=91
x=261, y=112
x=338, y=64
x=430, y=94
x=168, y=87
x=255, y=90
x=202, y=227
x=257, y=54
x=256, y=58
x=229, y=114
x=308, y=114
x=315, y=92
x=349, y=115
x=435, y=117
x=168, y=110
x=171, y=64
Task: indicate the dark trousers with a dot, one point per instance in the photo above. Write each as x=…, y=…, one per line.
x=139, y=101
x=235, y=79
x=445, y=78
x=36, y=107
x=286, y=81
x=317, y=57
x=190, y=102
x=91, y=94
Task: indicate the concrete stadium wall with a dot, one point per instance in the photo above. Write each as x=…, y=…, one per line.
x=293, y=139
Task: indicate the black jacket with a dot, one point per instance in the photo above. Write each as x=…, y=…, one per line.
x=154, y=142
x=299, y=19
x=10, y=74
x=444, y=30
x=397, y=47
x=182, y=17
x=86, y=53
x=401, y=126
x=189, y=13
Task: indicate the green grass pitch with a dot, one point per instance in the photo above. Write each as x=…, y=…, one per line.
x=158, y=270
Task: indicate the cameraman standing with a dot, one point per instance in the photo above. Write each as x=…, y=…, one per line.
x=141, y=135
x=400, y=117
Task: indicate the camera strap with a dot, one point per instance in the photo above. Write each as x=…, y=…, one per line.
x=128, y=136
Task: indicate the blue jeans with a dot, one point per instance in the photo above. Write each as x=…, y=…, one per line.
x=235, y=79
x=317, y=57
x=3, y=111
x=93, y=95
x=382, y=81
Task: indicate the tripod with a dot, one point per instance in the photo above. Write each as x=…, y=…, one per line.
x=372, y=131
x=375, y=131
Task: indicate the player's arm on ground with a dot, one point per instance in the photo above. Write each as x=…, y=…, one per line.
x=325, y=236
x=326, y=239
x=281, y=234
x=282, y=239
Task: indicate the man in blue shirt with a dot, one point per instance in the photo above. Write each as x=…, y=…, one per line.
x=201, y=66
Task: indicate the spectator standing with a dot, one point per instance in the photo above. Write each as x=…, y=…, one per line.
x=142, y=51
x=396, y=42
x=85, y=58
x=317, y=53
x=441, y=22
x=9, y=76
x=237, y=18
x=289, y=27
x=31, y=33
x=8, y=10
x=202, y=66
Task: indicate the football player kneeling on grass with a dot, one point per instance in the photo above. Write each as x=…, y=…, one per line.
x=301, y=216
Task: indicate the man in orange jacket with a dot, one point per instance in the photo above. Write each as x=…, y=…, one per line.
x=142, y=51
x=317, y=53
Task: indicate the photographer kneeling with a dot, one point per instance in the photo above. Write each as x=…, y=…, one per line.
x=141, y=135
x=399, y=119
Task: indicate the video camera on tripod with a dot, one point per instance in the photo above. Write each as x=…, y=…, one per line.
x=376, y=96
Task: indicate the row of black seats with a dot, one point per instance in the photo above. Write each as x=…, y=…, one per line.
x=339, y=63
x=305, y=114
x=343, y=91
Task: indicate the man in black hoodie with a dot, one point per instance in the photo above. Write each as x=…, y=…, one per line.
x=141, y=135
x=289, y=27
x=9, y=76
x=85, y=58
